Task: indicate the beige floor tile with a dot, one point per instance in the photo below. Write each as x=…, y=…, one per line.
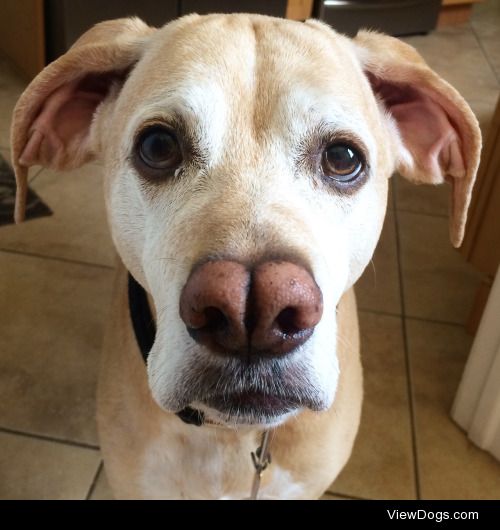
x=468, y=71
x=455, y=54
x=484, y=109
x=11, y=87
x=378, y=287
x=5, y=153
x=102, y=491
x=438, y=283
x=486, y=24
x=381, y=466
x=39, y=469
x=450, y=466
x=78, y=228
x=50, y=339
x=433, y=200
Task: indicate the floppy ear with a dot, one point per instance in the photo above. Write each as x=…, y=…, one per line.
x=52, y=119
x=440, y=138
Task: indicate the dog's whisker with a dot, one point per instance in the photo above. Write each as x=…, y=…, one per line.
x=344, y=341
x=372, y=263
x=165, y=259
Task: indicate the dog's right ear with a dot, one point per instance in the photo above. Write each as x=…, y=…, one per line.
x=53, y=117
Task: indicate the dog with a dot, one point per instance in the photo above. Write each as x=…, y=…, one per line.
x=246, y=168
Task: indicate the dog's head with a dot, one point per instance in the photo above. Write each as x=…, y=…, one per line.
x=246, y=164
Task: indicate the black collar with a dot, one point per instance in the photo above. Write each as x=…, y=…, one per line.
x=145, y=331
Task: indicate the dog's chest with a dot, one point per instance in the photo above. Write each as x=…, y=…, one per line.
x=209, y=465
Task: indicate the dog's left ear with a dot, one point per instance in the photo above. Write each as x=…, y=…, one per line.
x=440, y=138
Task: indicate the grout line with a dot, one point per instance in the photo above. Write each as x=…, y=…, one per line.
x=435, y=321
x=409, y=384
x=94, y=481
x=55, y=258
x=344, y=496
x=438, y=215
x=45, y=438
x=32, y=179
x=376, y=312
x=9, y=163
x=419, y=319
x=486, y=56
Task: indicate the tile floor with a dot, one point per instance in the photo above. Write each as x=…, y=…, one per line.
x=413, y=302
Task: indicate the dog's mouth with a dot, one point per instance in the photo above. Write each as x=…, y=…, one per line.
x=250, y=407
x=250, y=402
x=262, y=392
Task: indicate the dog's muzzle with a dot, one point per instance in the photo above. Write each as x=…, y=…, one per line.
x=252, y=320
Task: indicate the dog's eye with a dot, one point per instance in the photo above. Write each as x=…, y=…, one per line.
x=158, y=148
x=341, y=162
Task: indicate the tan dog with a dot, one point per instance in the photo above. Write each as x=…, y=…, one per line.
x=246, y=164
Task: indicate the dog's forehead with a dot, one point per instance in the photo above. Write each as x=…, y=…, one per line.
x=251, y=68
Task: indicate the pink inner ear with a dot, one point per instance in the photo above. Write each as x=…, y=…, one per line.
x=60, y=131
x=426, y=130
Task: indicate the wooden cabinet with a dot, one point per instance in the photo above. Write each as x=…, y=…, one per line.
x=299, y=9
x=481, y=245
x=455, y=12
x=482, y=237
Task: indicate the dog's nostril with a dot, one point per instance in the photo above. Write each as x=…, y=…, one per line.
x=286, y=321
x=215, y=319
x=212, y=304
x=288, y=304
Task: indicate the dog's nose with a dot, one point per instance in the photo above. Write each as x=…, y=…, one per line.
x=268, y=312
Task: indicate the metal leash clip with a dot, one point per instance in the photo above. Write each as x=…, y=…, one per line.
x=260, y=459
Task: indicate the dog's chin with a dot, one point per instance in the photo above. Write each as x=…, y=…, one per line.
x=244, y=392
x=250, y=410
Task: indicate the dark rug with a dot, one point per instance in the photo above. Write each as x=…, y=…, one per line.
x=34, y=206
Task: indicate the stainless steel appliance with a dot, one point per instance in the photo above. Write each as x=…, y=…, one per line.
x=395, y=17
